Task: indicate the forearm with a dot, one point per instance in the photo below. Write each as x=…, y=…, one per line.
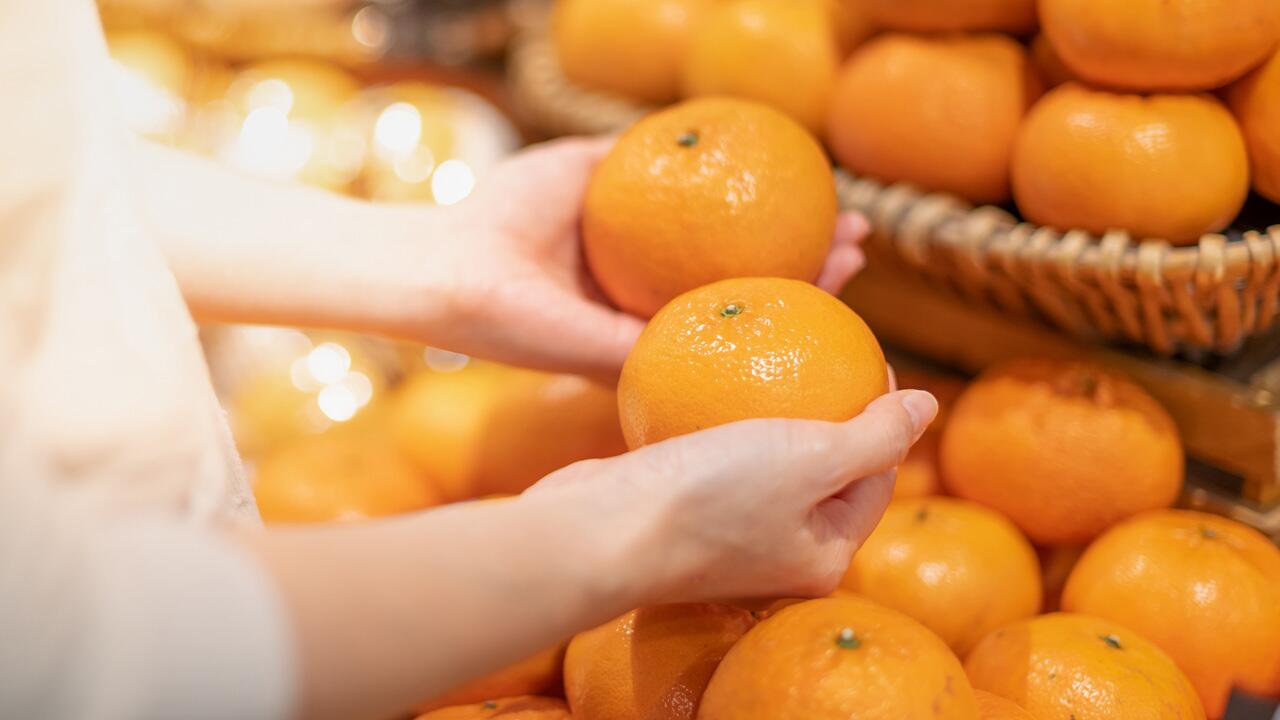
x=250, y=250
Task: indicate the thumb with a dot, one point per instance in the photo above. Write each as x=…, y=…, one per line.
x=879, y=438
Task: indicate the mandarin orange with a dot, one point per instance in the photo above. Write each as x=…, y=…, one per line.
x=1014, y=16
x=516, y=708
x=851, y=24
x=540, y=674
x=1255, y=100
x=994, y=707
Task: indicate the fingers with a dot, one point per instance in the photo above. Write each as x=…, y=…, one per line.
x=846, y=257
x=857, y=509
x=878, y=439
x=571, y=333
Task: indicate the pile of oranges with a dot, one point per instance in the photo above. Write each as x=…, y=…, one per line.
x=1152, y=116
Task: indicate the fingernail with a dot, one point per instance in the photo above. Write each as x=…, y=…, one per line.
x=921, y=406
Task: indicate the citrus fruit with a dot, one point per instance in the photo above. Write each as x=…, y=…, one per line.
x=1171, y=167
x=706, y=190
x=958, y=568
x=779, y=52
x=919, y=475
x=516, y=708
x=336, y=477
x=650, y=664
x=1201, y=587
x=491, y=429
x=1052, y=70
x=1174, y=45
x=540, y=674
x=1255, y=100
x=938, y=15
x=1064, y=449
x=838, y=658
x=1063, y=666
x=1056, y=564
x=937, y=112
x=994, y=707
x=748, y=348
x=851, y=24
x=633, y=48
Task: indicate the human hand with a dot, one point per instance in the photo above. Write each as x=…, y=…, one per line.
x=519, y=291
x=760, y=508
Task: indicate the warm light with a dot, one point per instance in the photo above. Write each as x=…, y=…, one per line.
x=301, y=377
x=398, y=129
x=329, y=363
x=452, y=182
x=271, y=93
x=369, y=27
x=416, y=166
x=361, y=387
x=443, y=360
x=338, y=403
x=147, y=108
x=270, y=145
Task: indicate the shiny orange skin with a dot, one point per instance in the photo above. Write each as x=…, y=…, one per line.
x=779, y=52
x=1098, y=161
x=633, y=48
x=1015, y=16
x=839, y=658
x=490, y=429
x=994, y=707
x=709, y=189
x=339, y=476
x=651, y=664
x=1255, y=100
x=1163, y=45
x=515, y=708
x=958, y=568
x=541, y=674
x=939, y=112
x=1201, y=587
x=1063, y=449
x=919, y=474
x=1052, y=70
x=748, y=348
x=1063, y=666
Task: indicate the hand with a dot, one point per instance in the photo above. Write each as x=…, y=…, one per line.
x=519, y=289
x=761, y=508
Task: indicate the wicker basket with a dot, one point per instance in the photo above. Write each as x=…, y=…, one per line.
x=1207, y=297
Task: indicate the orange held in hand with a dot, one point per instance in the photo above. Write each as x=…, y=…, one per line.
x=937, y=112
x=839, y=658
x=1173, y=45
x=1064, y=449
x=748, y=348
x=707, y=190
x=1171, y=167
x=1255, y=100
x=1204, y=588
x=1076, y=666
x=650, y=664
x=517, y=708
x=960, y=569
x=1015, y=16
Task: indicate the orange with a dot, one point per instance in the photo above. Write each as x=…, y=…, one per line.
x=633, y=48
x=1171, y=167
x=1056, y=564
x=1201, y=587
x=1064, y=449
x=994, y=707
x=707, y=190
x=1052, y=70
x=517, y=708
x=1064, y=666
x=490, y=429
x=940, y=15
x=960, y=569
x=851, y=24
x=650, y=664
x=1255, y=100
x=838, y=658
x=1175, y=45
x=337, y=477
x=537, y=675
x=918, y=475
x=779, y=52
x=937, y=112
x=748, y=348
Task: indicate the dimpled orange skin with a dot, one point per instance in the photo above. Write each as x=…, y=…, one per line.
x=1201, y=587
x=938, y=112
x=633, y=48
x=1063, y=666
x=1098, y=161
x=994, y=707
x=706, y=190
x=748, y=348
x=839, y=658
x=651, y=664
x=1014, y=16
x=516, y=708
x=1063, y=449
x=779, y=52
x=958, y=568
x=540, y=674
x=1255, y=100
x=1170, y=45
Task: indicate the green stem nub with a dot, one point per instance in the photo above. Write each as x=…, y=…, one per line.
x=1208, y=533
x=731, y=310
x=689, y=139
x=490, y=705
x=847, y=640
x=1112, y=641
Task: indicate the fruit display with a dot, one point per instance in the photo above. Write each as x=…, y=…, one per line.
x=539, y=675
x=514, y=708
x=1255, y=100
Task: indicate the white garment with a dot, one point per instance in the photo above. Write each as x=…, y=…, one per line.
x=117, y=600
